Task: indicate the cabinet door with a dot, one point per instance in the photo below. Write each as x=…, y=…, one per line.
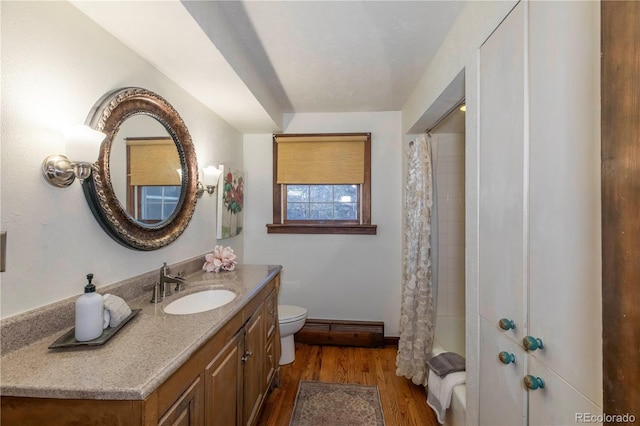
x=502, y=174
x=502, y=220
x=565, y=296
x=253, y=359
x=223, y=385
x=271, y=326
x=558, y=403
x=271, y=314
x=269, y=363
x=503, y=400
x=185, y=411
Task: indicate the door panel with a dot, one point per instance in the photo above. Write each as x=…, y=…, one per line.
x=565, y=260
x=558, y=403
x=223, y=384
x=253, y=366
x=186, y=410
x=502, y=393
x=502, y=174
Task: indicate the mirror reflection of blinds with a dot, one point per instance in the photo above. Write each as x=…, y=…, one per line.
x=321, y=159
x=153, y=162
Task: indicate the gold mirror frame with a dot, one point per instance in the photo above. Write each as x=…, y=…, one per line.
x=107, y=116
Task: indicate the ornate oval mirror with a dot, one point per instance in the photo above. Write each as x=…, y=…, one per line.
x=142, y=189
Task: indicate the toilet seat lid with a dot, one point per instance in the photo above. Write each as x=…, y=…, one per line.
x=289, y=313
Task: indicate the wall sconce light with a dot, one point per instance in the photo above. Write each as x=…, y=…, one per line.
x=210, y=179
x=82, y=143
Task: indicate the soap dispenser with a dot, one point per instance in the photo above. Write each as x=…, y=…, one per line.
x=89, y=313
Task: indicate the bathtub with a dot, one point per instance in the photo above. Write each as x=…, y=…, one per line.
x=450, y=337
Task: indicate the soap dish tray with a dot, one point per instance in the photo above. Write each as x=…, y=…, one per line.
x=68, y=340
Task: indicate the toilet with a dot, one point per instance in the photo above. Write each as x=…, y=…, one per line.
x=291, y=319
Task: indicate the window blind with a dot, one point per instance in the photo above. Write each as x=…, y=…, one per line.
x=321, y=159
x=153, y=162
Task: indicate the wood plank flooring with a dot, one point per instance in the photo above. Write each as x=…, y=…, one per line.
x=403, y=403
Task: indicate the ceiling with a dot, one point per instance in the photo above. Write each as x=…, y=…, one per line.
x=253, y=61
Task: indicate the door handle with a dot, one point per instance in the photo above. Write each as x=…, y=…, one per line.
x=532, y=343
x=246, y=356
x=506, y=324
x=533, y=382
x=506, y=357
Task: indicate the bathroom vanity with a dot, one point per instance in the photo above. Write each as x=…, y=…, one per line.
x=214, y=367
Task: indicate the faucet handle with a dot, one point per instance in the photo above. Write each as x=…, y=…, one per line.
x=156, y=296
x=180, y=283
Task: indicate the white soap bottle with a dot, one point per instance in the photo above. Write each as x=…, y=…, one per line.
x=89, y=313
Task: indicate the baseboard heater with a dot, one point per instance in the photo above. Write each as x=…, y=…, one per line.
x=368, y=334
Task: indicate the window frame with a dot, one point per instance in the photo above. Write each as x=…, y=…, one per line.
x=282, y=226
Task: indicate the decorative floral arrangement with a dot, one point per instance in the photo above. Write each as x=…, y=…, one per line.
x=221, y=259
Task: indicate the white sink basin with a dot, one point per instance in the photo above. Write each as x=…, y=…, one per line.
x=200, y=302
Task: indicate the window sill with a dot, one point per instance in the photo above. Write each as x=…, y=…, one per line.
x=313, y=228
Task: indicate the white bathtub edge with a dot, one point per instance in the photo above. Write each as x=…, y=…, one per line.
x=456, y=413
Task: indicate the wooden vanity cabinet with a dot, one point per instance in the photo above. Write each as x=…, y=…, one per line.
x=224, y=383
x=238, y=378
x=231, y=374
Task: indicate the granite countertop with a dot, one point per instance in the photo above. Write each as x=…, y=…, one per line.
x=140, y=357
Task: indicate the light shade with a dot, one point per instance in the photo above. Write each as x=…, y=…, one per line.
x=82, y=143
x=211, y=175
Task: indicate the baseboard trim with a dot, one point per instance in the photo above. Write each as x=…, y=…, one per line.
x=391, y=341
x=368, y=334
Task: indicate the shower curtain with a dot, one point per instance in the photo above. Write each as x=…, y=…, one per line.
x=419, y=286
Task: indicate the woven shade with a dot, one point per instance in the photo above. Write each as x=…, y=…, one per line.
x=153, y=162
x=321, y=159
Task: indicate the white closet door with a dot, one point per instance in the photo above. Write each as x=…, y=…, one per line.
x=502, y=393
x=502, y=271
x=565, y=242
x=502, y=242
x=558, y=403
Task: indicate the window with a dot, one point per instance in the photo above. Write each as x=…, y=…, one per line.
x=322, y=184
x=153, y=178
x=157, y=203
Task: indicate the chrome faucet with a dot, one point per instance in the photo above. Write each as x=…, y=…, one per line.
x=161, y=289
x=165, y=279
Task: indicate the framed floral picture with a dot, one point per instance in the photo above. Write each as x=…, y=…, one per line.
x=230, y=203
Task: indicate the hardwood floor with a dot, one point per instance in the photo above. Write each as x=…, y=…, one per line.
x=403, y=403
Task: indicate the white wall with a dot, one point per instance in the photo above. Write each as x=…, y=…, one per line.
x=459, y=52
x=474, y=24
x=355, y=277
x=450, y=203
x=56, y=63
